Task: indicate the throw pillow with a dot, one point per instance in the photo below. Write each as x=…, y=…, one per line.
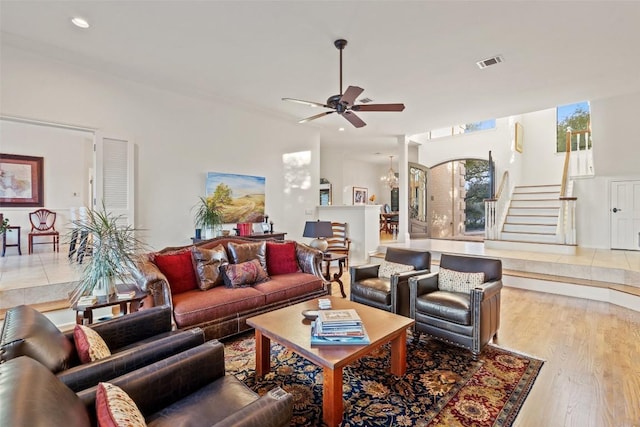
x=89, y=345
x=458, y=281
x=388, y=268
x=178, y=268
x=115, y=408
x=281, y=258
x=243, y=274
x=207, y=264
x=243, y=252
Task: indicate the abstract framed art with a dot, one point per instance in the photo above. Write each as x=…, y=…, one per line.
x=21, y=181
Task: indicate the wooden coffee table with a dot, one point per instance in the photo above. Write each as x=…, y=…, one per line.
x=288, y=327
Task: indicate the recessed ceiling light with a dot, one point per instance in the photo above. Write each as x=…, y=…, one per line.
x=80, y=22
x=341, y=129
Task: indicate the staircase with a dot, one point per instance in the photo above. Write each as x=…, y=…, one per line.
x=531, y=222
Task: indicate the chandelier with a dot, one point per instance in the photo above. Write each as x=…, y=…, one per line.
x=390, y=179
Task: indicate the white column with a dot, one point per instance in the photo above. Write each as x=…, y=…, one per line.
x=403, y=188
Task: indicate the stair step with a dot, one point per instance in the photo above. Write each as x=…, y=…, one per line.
x=536, y=188
x=533, y=211
x=530, y=228
x=535, y=196
x=519, y=245
x=535, y=203
x=529, y=237
x=532, y=219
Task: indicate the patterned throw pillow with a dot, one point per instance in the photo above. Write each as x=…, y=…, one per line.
x=178, y=267
x=388, y=268
x=281, y=258
x=207, y=264
x=243, y=274
x=89, y=345
x=115, y=408
x=458, y=281
x=243, y=252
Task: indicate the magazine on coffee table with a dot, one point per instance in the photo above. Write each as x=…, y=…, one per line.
x=360, y=339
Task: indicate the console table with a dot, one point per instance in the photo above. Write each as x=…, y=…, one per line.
x=254, y=236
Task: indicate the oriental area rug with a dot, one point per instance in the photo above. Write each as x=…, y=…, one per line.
x=443, y=386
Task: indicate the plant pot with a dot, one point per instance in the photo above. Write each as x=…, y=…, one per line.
x=105, y=288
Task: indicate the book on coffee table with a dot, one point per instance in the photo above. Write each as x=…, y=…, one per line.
x=361, y=338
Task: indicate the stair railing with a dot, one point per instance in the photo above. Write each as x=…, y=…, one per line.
x=566, y=231
x=494, y=210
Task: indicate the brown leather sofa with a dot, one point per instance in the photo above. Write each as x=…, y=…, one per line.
x=135, y=340
x=189, y=388
x=390, y=294
x=222, y=311
x=468, y=320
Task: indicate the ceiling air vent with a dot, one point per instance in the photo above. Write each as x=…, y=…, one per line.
x=365, y=100
x=490, y=61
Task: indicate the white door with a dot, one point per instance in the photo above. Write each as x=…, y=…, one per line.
x=114, y=173
x=625, y=215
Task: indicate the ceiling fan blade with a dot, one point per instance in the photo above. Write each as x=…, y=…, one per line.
x=309, y=103
x=350, y=95
x=317, y=116
x=353, y=119
x=378, y=107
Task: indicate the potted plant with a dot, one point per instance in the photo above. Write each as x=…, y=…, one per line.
x=208, y=215
x=113, y=250
x=4, y=224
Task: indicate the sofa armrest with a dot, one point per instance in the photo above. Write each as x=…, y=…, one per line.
x=150, y=279
x=274, y=409
x=309, y=259
x=158, y=385
x=362, y=272
x=126, y=330
x=90, y=374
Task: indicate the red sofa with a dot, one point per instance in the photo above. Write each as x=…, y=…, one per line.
x=220, y=309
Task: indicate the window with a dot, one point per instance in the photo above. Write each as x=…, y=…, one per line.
x=462, y=129
x=576, y=118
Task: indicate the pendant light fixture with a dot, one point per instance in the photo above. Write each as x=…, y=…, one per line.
x=390, y=179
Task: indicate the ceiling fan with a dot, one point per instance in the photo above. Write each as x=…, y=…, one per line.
x=343, y=104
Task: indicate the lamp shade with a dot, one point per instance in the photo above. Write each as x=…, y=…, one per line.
x=318, y=230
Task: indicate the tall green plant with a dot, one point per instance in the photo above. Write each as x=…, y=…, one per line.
x=113, y=247
x=207, y=213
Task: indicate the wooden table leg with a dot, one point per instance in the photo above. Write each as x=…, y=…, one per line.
x=338, y=275
x=399, y=354
x=263, y=354
x=332, y=406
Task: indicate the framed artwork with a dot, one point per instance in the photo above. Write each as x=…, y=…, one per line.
x=360, y=196
x=21, y=181
x=242, y=197
x=518, y=137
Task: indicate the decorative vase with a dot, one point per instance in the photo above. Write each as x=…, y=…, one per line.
x=105, y=288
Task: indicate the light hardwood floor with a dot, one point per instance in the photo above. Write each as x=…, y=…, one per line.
x=591, y=349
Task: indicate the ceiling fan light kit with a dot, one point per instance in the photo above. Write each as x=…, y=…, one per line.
x=344, y=103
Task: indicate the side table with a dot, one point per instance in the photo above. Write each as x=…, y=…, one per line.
x=327, y=259
x=4, y=239
x=84, y=313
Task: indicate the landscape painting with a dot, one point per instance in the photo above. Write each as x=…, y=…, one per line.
x=241, y=196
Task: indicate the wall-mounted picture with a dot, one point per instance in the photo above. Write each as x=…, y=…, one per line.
x=360, y=196
x=519, y=135
x=21, y=181
x=241, y=197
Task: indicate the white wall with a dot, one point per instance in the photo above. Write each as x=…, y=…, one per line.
x=67, y=159
x=178, y=139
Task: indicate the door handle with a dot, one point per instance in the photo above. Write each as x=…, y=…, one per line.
x=616, y=210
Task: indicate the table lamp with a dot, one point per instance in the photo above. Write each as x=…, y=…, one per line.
x=318, y=230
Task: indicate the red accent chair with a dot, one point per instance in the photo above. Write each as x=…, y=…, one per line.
x=43, y=225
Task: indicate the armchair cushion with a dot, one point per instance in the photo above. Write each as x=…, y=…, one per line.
x=207, y=263
x=115, y=408
x=458, y=281
x=451, y=306
x=388, y=268
x=375, y=290
x=89, y=345
x=178, y=268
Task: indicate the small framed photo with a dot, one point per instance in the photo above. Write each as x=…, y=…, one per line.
x=265, y=227
x=360, y=196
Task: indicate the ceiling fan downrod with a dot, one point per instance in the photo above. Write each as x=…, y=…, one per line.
x=340, y=44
